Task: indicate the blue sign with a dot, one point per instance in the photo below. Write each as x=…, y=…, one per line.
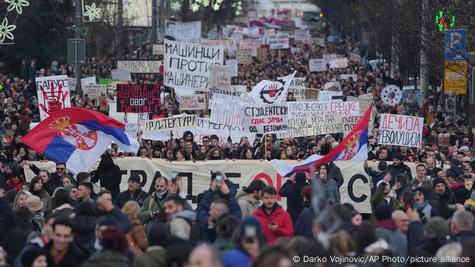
x=455, y=45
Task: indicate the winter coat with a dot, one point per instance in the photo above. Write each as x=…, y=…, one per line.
x=125, y=196
x=181, y=223
x=155, y=256
x=119, y=219
x=331, y=190
x=378, y=198
x=400, y=169
x=291, y=191
x=277, y=215
x=426, y=211
x=84, y=222
x=460, y=192
x=107, y=258
x=334, y=173
x=236, y=258
x=45, y=198
x=417, y=245
x=247, y=203
x=74, y=256
x=444, y=203
x=388, y=231
x=108, y=174
x=137, y=232
x=304, y=224
x=151, y=203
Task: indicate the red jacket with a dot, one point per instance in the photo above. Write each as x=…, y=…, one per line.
x=281, y=217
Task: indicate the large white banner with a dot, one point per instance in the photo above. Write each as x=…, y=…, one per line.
x=400, y=130
x=196, y=176
x=316, y=125
x=187, y=66
x=53, y=94
x=189, y=32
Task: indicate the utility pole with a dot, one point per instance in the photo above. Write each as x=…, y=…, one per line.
x=120, y=30
x=423, y=73
x=77, y=35
x=153, y=35
x=395, y=39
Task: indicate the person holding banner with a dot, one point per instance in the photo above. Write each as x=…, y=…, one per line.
x=330, y=187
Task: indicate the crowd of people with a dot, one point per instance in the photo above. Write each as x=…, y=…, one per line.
x=61, y=219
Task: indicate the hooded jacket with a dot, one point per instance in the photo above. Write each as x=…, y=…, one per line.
x=181, y=223
x=278, y=215
x=108, y=174
x=292, y=191
x=247, y=203
x=387, y=230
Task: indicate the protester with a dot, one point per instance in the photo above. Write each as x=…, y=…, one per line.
x=134, y=192
x=249, y=197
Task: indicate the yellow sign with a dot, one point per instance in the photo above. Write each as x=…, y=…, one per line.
x=455, y=77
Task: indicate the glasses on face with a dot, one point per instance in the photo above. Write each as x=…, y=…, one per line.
x=60, y=169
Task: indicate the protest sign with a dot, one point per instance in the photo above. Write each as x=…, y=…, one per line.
x=168, y=124
x=132, y=129
x=297, y=88
x=226, y=109
x=332, y=86
x=193, y=102
x=244, y=56
x=330, y=95
x=121, y=75
x=329, y=57
x=355, y=189
x=265, y=119
x=311, y=94
x=319, y=41
x=278, y=41
x=207, y=128
x=400, y=130
x=94, y=91
x=157, y=49
x=338, y=63
x=139, y=66
x=189, y=32
x=234, y=66
x=317, y=125
x=53, y=94
x=310, y=109
x=317, y=65
x=138, y=98
x=354, y=77
x=355, y=57
x=220, y=77
x=302, y=36
x=235, y=91
x=188, y=66
x=72, y=83
x=272, y=92
x=88, y=80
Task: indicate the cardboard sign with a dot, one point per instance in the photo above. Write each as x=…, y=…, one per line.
x=220, y=77
x=455, y=77
x=330, y=95
x=234, y=66
x=317, y=65
x=400, y=130
x=121, y=75
x=189, y=32
x=72, y=84
x=53, y=94
x=139, y=66
x=244, y=56
x=354, y=77
x=279, y=41
x=188, y=66
x=265, y=119
x=94, y=91
x=138, y=98
x=88, y=80
x=226, y=109
x=317, y=125
x=168, y=124
x=193, y=102
x=302, y=36
x=338, y=63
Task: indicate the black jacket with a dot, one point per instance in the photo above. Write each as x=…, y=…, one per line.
x=84, y=222
x=125, y=196
x=108, y=174
x=295, y=203
x=402, y=168
x=74, y=256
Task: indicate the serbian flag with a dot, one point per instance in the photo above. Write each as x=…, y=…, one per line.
x=354, y=147
x=78, y=137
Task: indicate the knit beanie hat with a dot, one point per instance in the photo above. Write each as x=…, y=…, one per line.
x=437, y=181
x=383, y=212
x=31, y=255
x=423, y=191
x=68, y=188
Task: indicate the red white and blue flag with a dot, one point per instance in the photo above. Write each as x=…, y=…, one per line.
x=354, y=147
x=78, y=137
